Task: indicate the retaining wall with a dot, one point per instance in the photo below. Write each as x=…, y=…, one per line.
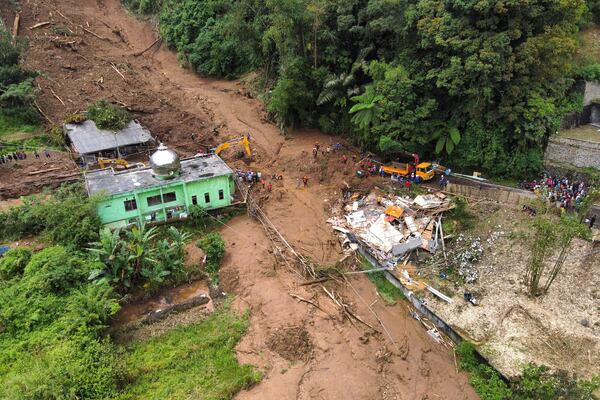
x=576, y=152
x=501, y=194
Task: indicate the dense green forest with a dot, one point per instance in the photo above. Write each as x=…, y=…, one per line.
x=478, y=84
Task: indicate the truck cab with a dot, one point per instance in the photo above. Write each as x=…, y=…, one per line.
x=425, y=171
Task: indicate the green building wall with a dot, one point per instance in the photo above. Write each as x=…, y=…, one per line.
x=113, y=214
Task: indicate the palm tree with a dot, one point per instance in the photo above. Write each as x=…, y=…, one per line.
x=366, y=110
x=340, y=88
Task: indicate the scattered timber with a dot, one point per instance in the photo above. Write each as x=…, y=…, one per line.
x=43, y=171
x=15, y=29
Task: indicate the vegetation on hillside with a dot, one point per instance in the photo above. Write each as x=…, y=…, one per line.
x=479, y=85
x=536, y=383
x=108, y=116
x=176, y=365
x=16, y=88
x=57, y=304
x=65, y=216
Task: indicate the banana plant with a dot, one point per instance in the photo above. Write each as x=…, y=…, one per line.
x=446, y=138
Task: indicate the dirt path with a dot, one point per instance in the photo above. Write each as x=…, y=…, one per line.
x=305, y=353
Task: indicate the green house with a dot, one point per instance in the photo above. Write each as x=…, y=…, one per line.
x=163, y=192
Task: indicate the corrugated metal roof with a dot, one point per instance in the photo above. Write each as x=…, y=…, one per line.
x=192, y=169
x=88, y=138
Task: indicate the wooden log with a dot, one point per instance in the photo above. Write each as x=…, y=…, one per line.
x=42, y=112
x=39, y=25
x=139, y=53
x=55, y=95
x=94, y=33
x=118, y=72
x=43, y=171
x=15, y=29
x=314, y=281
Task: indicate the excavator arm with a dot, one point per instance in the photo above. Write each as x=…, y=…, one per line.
x=222, y=147
x=244, y=141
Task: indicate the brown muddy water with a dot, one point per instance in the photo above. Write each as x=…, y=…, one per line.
x=163, y=299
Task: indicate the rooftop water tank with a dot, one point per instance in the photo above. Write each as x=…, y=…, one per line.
x=165, y=163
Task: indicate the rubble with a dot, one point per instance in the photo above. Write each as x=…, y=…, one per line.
x=392, y=226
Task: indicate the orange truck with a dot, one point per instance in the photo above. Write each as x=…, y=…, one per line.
x=424, y=170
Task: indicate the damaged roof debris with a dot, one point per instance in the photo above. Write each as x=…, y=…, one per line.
x=392, y=226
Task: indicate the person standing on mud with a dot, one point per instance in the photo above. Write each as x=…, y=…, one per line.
x=315, y=152
x=592, y=221
x=298, y=183
x=305, y=180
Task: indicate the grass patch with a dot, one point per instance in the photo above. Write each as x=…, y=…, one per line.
x=388, y=292
x=194, y=361
x=11, y=124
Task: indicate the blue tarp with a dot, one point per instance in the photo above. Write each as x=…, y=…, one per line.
x=3, y=249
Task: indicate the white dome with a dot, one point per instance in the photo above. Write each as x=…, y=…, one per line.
x=165, y=162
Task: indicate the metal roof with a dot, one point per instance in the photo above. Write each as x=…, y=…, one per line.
x=88, y=138
x=192, y=169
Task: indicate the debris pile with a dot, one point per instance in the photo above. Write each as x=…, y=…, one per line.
x=392, y=226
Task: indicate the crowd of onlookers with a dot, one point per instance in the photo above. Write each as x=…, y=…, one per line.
x=17, y=156
x=565, y=193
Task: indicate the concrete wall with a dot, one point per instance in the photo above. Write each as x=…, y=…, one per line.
x=504, y=195
x=575, y=152
x=591, y=93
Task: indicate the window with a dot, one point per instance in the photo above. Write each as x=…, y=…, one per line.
x=221, y=194
x=130, y=205
x=154, y=200
x=195, y=200
x=206, y=197
x=169, y=197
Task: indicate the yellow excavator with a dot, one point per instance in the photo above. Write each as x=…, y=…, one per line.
x=244, y=141
x=118, y=163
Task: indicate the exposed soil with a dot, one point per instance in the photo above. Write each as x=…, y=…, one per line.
x=16, y=179
x=343, y=360
x=560, y=329
x=291, y=342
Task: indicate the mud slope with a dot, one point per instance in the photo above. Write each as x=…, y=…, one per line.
x=304, y=352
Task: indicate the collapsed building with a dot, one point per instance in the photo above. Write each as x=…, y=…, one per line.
x=390, y=226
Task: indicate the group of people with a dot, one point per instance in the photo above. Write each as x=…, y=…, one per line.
x=317, y=150
x=257, y=177
x=17, y=156
x=564, y=193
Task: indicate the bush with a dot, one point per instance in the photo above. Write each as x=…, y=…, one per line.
x=108, y=116
x=536, y=383
x=214, y=248
x=17, y=91
x=13, y=262
x=54, y=270
x=53, y=322
x=66, y=216
x=144, y=6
